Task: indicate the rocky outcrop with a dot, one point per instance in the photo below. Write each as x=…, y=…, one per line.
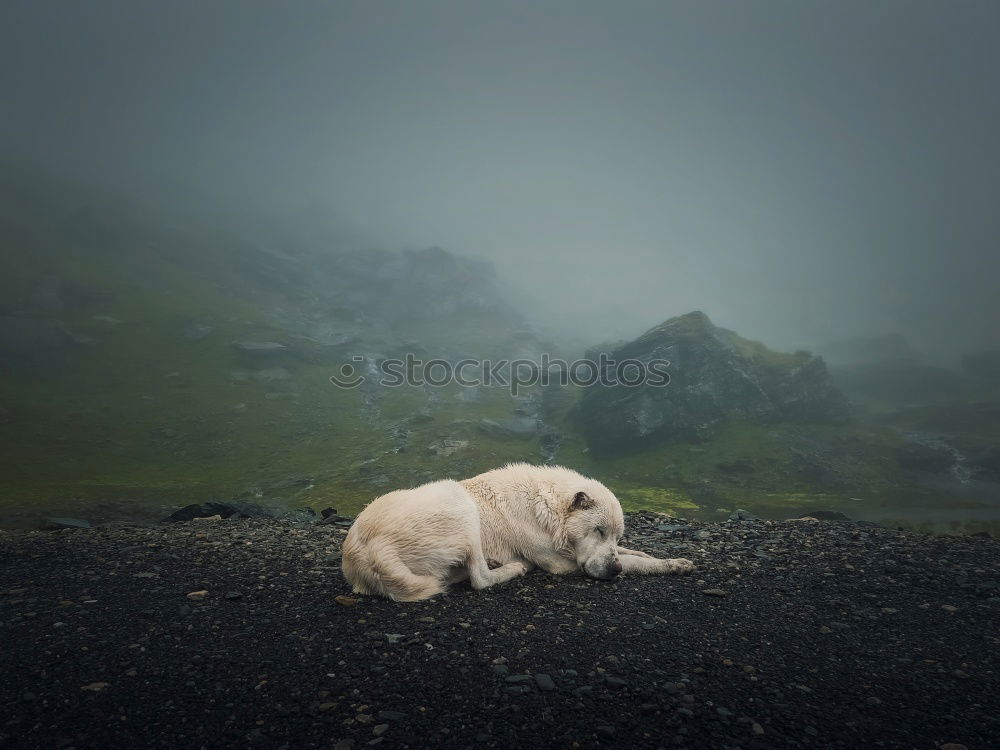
x=235, y=510
x=715, y=376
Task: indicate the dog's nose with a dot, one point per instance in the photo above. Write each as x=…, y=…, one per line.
x=616, y=567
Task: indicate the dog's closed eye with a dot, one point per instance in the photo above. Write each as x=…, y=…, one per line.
x=602, y=531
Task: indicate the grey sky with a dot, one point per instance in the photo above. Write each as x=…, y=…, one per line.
x=799, y=170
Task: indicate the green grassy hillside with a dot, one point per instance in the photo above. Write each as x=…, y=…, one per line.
x=123, y=392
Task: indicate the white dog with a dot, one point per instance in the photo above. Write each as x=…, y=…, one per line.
x=411, y=544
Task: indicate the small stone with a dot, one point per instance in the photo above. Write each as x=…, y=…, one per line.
x=713, y=592
x=671, y=527
x=379, y=729
x=544, y=682
x=757, y=729
x=393, y=637
x=871, y=700
x=825, y=629
x=615, y=683
x=391, y=716
x=197, y=596
x=233, y=596
x=96, y=687
x=345, y=601
x=960, y=674
x=952, y=746
x=949, y=608
x=519, y=679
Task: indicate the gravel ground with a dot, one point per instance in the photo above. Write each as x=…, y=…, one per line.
x=790, y=634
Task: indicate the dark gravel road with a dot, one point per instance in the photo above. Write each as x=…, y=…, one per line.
x=794, y=634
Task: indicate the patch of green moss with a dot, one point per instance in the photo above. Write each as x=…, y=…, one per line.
x=766, y=357
x=660, y=499
x=148, y=417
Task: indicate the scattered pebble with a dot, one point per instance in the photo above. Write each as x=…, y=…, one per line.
x=280, y=664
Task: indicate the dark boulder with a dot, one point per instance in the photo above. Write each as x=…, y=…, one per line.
x=235, y=510
x=217, y=508
x=826, y=515
x=714, y=376
x=336, y=519
x=54, y=524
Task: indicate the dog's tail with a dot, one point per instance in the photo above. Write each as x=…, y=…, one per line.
x=376, y=568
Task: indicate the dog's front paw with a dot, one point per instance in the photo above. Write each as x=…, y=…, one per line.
x=678, y=565
x=522, y=568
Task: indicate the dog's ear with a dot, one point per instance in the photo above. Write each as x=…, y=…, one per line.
x=581, y=501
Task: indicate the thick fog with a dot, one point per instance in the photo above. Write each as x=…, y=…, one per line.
x=801, y=171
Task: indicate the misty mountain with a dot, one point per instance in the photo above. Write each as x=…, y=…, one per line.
x=156, y=350
x=716, y=375
x=75, y=253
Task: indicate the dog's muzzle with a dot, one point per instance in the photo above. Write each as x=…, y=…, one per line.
x=609, y=573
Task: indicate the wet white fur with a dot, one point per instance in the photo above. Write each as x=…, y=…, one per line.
x=412, y=544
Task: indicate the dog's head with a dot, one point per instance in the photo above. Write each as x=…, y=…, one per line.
x=594, y=525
